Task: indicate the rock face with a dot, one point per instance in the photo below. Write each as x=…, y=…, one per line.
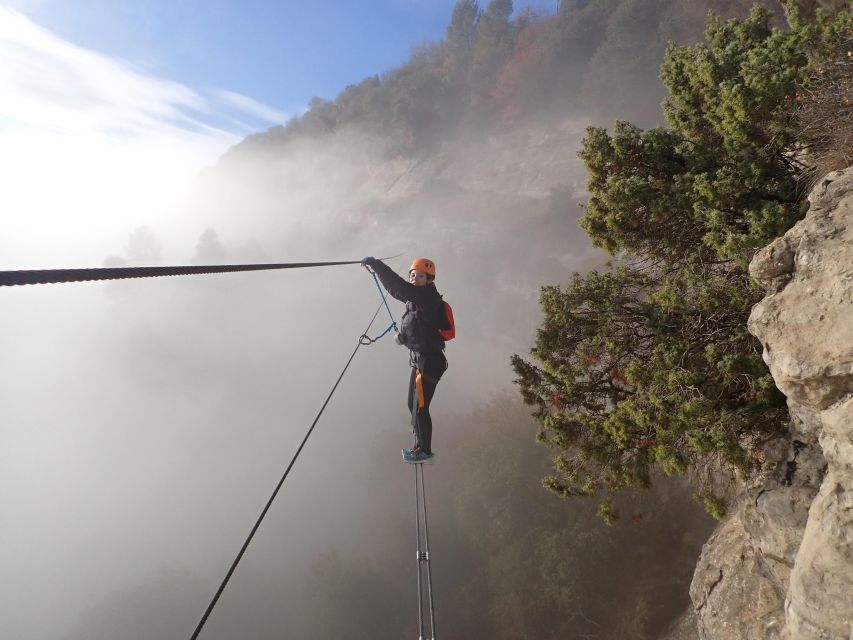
x=782, y=565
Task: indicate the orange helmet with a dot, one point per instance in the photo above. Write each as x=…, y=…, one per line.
x=423, y=264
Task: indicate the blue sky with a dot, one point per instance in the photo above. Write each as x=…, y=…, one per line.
x=110, y=108
x=280, y=54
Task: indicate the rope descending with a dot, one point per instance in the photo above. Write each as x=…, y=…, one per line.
x=278, y=486
x=365, y=339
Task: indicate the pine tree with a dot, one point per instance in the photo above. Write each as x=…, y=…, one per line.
x=492, y=43
x=463, y=26
x=650, y=365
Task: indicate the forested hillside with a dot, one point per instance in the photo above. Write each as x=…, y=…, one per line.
x=501, y=65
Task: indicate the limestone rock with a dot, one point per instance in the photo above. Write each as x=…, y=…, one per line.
x=781, y=566
x=735, y=595
x=806, y=327
x=743, y=573
x=805, y=324
x=820, y=600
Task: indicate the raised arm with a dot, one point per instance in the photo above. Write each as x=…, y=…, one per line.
x=398, y=287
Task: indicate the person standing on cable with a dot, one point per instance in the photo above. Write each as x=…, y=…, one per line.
x=420, y=331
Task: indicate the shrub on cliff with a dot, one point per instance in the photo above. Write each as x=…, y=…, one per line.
x=650, y=365
x=825, y=114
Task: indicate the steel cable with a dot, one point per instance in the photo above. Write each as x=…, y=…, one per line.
x=54, y=276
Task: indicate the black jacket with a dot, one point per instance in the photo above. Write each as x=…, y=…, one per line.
x=424, y=315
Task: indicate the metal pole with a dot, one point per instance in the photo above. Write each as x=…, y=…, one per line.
x=428, y=563
x=418, y=556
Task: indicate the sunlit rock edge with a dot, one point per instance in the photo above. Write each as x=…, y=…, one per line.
x=781, y=565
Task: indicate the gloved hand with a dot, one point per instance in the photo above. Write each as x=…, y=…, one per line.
x=368, y=261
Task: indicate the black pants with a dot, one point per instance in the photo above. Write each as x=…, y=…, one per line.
x=431, y=367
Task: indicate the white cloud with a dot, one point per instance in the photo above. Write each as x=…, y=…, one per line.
x=47, y=82
x=91, y=148
x=252, y=107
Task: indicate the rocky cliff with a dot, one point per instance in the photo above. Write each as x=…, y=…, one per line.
x=781, y=566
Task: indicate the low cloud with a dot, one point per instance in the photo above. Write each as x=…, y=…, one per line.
x=91, y=147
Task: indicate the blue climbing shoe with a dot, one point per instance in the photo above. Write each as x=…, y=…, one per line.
x=416, y=456
x=411, y=452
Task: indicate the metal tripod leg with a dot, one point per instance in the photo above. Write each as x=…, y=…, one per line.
x=427, y=559
x=423, y=557
x=418, y=556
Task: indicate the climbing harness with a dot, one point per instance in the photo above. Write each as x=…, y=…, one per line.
x=419, y=386
x=423, y=558
x=419, y=377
